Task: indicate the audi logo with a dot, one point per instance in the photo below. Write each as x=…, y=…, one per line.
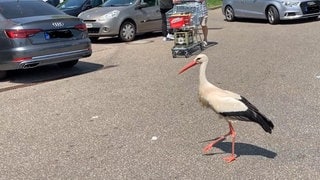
x=58, y=24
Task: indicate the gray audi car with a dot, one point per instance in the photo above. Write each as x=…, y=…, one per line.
x=34, y=33
x=272, y=10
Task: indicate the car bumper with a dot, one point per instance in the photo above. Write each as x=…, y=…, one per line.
x=301, y=11
x=292, y=17
x=96, y=29
x=45, y=58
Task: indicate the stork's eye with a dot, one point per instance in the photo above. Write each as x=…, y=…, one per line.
x=198, y=60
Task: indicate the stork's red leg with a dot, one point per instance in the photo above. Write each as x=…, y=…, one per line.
x=232, y=157
x=209, y=146
x=218, y=139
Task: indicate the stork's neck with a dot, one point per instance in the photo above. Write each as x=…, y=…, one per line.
x=203, y=77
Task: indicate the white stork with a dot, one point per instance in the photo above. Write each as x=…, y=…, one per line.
x=229, y=105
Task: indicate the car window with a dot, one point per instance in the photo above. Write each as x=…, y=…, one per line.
x=112, y=3
x=150, y=2
x=97, y=3
x=18, y=9
x=71, y=4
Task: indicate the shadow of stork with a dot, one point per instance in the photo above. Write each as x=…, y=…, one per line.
x=244, y=149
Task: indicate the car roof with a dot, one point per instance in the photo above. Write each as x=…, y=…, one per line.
x=17, y=0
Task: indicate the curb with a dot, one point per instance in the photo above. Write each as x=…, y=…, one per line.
x=215, y=7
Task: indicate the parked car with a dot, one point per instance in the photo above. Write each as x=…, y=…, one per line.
x=122, y=18
x=34, y=33
x=272, y=10
x=52, y=2
x=75, y=7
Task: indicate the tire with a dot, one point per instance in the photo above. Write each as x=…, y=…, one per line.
x=314, y=18
x=201, y=46
x=127, y=31
x=174, y=54
x=68, y=64
x=94, y=39
x=229, y=14
x=186, y=54
x=3, y=74
x=273, y=15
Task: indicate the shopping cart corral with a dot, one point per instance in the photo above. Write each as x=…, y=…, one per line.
x=184, y=20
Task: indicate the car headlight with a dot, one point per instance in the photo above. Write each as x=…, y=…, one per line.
x=290, y=3
x=109, y=15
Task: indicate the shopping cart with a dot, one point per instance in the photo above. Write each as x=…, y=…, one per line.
x=184, y=20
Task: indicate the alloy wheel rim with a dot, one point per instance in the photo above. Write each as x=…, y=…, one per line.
x=229, y=14
x=128, y=32
x=270, y=15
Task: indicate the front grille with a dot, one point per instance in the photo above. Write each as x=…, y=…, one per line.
x=93, y=30
x=310, y=7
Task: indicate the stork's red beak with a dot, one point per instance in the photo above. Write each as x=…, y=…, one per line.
x=187, y=66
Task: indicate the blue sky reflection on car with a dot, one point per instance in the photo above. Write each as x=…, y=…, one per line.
x=114, y=3
x=75, y=7
x=71, y=4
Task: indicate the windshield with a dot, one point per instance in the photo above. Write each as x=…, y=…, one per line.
x=71, y=4
x=112, y=3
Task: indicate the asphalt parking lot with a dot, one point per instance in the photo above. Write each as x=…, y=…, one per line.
x=125, y=113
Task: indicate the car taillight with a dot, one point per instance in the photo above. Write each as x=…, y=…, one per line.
x=20, y=59
x=21, y=33
x=81, y=27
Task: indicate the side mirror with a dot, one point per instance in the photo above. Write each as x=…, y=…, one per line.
x=86, y=7
x=142, y=5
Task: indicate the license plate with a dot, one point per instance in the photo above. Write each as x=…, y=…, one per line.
x=89, y=25
x=46, y=35
x=58, y=34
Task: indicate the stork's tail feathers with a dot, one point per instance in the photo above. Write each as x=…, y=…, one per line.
x=264, y=122
x=252, y=116
x=258, y=117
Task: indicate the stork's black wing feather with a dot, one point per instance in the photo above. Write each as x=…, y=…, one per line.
x=251, y=114
x=247, y=103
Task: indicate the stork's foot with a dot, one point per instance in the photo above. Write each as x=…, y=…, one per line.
x=229, y=159
x=209, y=146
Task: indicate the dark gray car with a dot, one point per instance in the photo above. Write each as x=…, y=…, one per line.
x=75, y=7
x=34, y=33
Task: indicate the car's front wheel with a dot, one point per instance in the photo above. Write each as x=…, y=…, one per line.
x=3, y=74
x=273, y=15
x=94, y=39
x=68, y=64
x=127, y=31
x=229, y=13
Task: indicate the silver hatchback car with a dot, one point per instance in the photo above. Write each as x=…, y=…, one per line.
x=272, y=10
x=122, y=18
x=34, y=33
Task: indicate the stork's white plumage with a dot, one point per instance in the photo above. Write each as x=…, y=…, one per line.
x=229, y=105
